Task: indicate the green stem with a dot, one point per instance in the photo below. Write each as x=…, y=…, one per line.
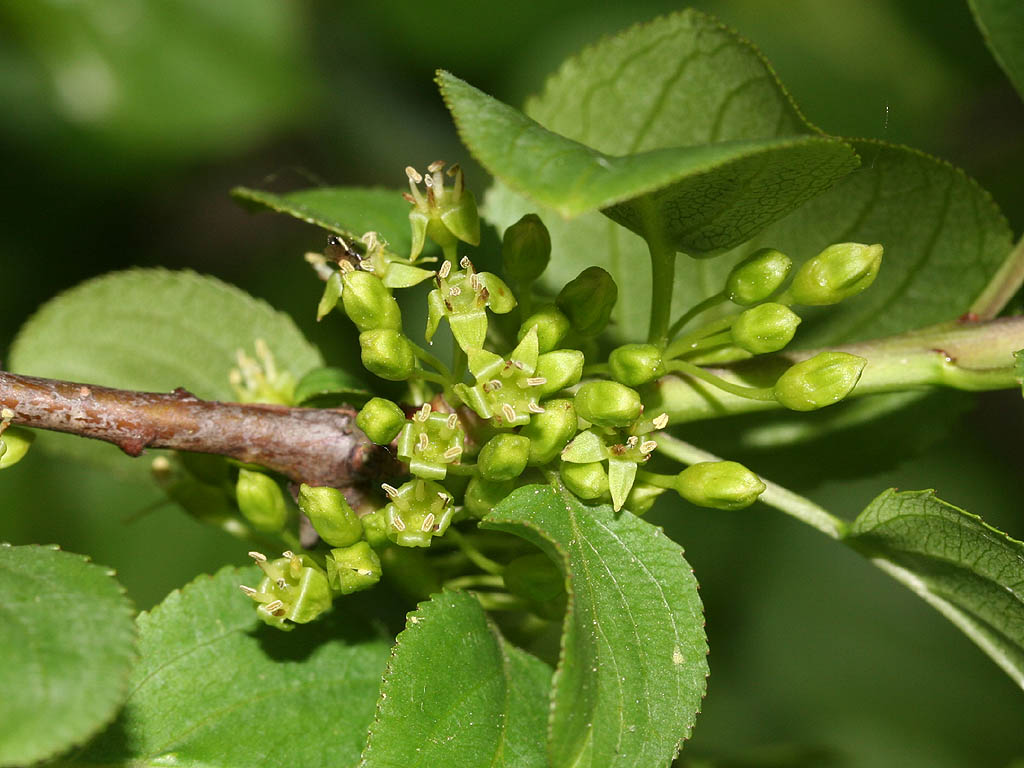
x=478, y=558
x=784, y=500
x=1003, y=285
x=753, y=393
x=429, y=359
x=696, y=309
x=654, y=478
x=475, y=580
x=688, y=343
x=717, y=340
x=663, y=276
x=966, y=356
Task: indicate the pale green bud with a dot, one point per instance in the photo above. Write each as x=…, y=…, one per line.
x=757, y=277
x=381, y=420
x=636, y=364
x=368, y=303
x=588, y=481
x=550, y=431
x=332, y=517
x=14, y=445
x=837, y=273
x=826, y=378
x=353, y=568
x=765, y=328
x=504, y=457
x=482, y=496
x=387, y=353
x=608, y=403
x=719, y=485
x=534, y=577
x=588, y=300
x=552, y=326
x=261, y=501
x=642, y=497
x=560, y=368
x=525, y=249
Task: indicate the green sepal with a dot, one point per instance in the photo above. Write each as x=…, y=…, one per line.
x=621, y=474
x=608, y=403
x=462, y=219
x=418, y=228
x=387, y=353
x=504, y=457
x=401, y=275
x=332, y=517
x=353, y=568
x=435, y=311
x=719, y=485
x=500, y=299
x=588, y=481
x=381, y=420
x=469, y=328
x=261, y=501
x=331, y=294
x=550, y=431
x=14, y=444
x=502, y=384
x=586, y=448
x=826, y=378
x=429, y=444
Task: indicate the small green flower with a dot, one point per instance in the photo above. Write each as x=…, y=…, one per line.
x=608, y=403
x=463, y=296
x=353, y=568
x=636, y=364
x=418, y=511
x=368, y=303
x=430, y=441
x=295, y=590
x=445, y=214
x=504, y=457
x=506, y=391
x=259, y=380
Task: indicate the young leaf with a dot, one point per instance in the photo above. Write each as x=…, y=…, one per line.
x=346, y=211
x=456, y=692
x=214, y=686
x=67, y=634
x=1002, y=25
x=633, y=663
x=968, y=571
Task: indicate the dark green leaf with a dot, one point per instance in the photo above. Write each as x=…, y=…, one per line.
x=330, y=385
x=1002, y=25
x=67, y=636
x=216, y=687
x=633, y=664
x=346, y=211
x=456, y=693
x=970, y=572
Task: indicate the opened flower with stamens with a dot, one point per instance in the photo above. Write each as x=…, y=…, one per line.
x=259, y=380
x=418, y=511
x=446, y=214
x=429, y=442
x=294, y=590
x=506, y=391
x=463, y=296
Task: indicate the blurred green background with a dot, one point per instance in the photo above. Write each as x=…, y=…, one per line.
x=126, y=122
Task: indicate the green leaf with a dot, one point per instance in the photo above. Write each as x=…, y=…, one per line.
x=968, y=571
x=455, y=692
x=151, y=329
x=67, y=636
x=1002, y=25
x=216, y=687
x=346, y=211
x=633, y=663
x=330, y=385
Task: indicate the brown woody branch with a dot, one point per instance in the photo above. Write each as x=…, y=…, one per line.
x=314, y=446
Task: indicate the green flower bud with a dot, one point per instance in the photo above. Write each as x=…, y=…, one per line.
x=642, y=497
x=534, y=577
x=482, y=496
x=636, y=364
x=329, y=299
x=14, y=445
x=525, y=249
x=608, y=403
x=335, y=521
x=375, y=528
x=588, y=481
x=588, y=300
x=560, y=368
x=381, y=420
x=826, y=378
x=387, y=354
x=838, y=272
x=368, y=303
x=353, y=569
x=294, y=589
x=719, y=485
x=757, y=277
x=550, y=431
x=504, y=457
x=765, y=328
x=552, y=325
x=261, y=501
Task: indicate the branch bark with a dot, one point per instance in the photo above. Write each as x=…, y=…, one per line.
x=314, y=446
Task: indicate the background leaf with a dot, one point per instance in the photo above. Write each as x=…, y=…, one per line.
x=67, y=633
x=216, y=687
x=151, y=329
x=1002, y=25
x=967, y=570
x=456, y=692
x=346, y=211
x=633, y=664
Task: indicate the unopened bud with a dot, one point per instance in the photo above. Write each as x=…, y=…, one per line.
x=588, y=300
x=826, y=378
x=838, y=272
x=560, y=369
x=757, y=277
x=719, y=485
x=261, y=501
x=765, y=328
x=608, y=403
x=387, y=353
x=353, y=568
x=482, y=496
x=642, y=497
x=504, y=457
x=14, y=445
x=368, y=303
x=636, y=364
x=550, y=431
x=552, y=325
x=525, y=249
x=588, y=481
x=332, y=517
x=381, y=420
x=534, y=577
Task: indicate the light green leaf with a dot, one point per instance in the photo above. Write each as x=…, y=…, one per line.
x=154, y=330
x=1002, y=25
x=323, y=386
x=67, y=635
x=216, y=687
x=346, y=211
x=457, y=693
x=633, y=664
x=968, y=571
